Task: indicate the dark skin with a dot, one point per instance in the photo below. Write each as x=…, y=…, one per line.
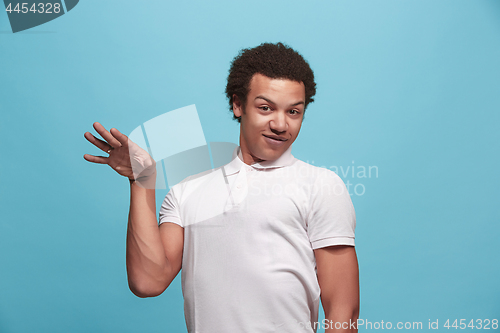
x=338, y=277
x=154, y=254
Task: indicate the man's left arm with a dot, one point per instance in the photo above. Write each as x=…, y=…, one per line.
x=338, y=277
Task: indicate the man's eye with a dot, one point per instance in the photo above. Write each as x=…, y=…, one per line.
x=265, y=108
x=294, y=112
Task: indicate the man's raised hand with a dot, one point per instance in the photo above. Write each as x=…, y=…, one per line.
x=125, y=157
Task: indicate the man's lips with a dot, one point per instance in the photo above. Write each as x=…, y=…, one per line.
x=275, y=137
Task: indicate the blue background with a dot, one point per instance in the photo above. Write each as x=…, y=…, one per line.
x=411, y=87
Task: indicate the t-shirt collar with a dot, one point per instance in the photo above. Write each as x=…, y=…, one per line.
x=237, y=162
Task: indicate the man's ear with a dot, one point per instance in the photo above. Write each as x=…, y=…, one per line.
x=237, y=106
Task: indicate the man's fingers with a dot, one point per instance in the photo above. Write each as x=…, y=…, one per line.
x=96, y=159
x=106, y=135
x=119, y=136
x=96, y=142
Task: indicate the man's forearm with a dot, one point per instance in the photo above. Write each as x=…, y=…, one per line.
x=147, y=266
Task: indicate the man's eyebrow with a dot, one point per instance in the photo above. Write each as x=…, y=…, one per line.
x=298, y=103
x=271, y=102
x=266, y=99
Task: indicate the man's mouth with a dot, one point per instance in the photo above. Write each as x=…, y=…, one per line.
x=275, y=137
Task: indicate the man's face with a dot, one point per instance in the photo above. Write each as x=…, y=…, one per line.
x=271, y=119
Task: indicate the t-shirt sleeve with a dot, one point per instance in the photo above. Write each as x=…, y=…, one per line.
x=169, y=211
x=331, y=218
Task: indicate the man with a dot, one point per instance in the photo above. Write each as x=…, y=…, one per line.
x=260, y=239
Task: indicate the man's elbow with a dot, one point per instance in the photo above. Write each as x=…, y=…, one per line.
x=354, y=307
x=343, y=311
x=146, y=289
x=355, y=312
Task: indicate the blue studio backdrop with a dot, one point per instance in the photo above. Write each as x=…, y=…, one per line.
x=406, y=113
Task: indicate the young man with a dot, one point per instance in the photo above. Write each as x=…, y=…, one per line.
x=260, y=239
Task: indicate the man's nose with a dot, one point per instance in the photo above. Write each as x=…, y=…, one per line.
x=278, y=123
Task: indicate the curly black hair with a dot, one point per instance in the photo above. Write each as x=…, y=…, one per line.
x=276, y=61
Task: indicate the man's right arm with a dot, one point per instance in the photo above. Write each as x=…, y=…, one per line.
x=154, y=253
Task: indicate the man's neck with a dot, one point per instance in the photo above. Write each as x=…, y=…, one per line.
x=249, y=158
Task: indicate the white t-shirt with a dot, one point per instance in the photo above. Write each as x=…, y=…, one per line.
x=249, y=232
